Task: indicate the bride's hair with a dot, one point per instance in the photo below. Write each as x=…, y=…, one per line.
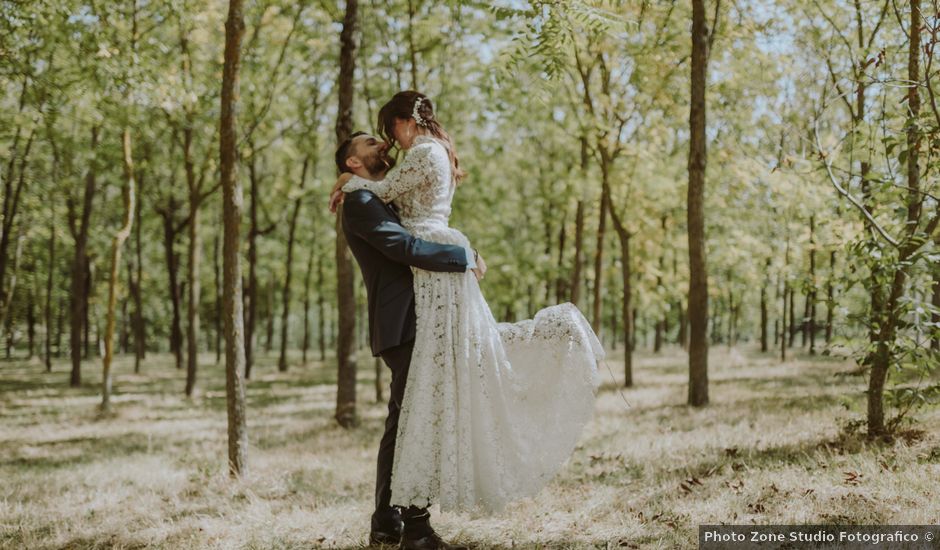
x=402, y=105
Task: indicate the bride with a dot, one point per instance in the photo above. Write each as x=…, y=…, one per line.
x=491, y=410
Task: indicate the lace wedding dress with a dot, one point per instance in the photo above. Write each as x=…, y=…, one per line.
x=491, y=410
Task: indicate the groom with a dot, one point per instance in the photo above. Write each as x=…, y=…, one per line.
x=386, y=252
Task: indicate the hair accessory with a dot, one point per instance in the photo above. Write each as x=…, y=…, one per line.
x=419, y=120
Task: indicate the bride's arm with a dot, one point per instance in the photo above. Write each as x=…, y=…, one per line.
x=416, y=169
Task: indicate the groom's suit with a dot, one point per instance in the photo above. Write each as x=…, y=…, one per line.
x=386, y=252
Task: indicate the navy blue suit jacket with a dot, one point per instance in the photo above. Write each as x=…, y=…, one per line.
x=385, y=252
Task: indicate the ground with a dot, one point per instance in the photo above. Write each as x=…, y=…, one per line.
x=771, y=447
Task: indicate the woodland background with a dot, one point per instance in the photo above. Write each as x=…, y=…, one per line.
x=754, y=177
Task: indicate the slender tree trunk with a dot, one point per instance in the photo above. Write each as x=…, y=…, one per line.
x=811, y=296
x=285, y=312
x=30, y=324
x=232, y=206
x=113, y=283
x=59, y=324
x=578, y=254
x=661, y=323
x=269, y=317
x=629, y=320
x=78, y=298
x=784, y=327
x=698, y=274
x=49, y=286
x=11, y=200
x=251, y=292
x=346, y=364
x=830, y=297
x=763, y=310
x=935, y=316
x=888, y=318
x=195, y=259
x=307, y=276
x=321, y=310
x=87, y=296
x=170, y=231
x=560, y=283
x=599, y=262
x=791, y=330
x=219, y=300
x=140, y=331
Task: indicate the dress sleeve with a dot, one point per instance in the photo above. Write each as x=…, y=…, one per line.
x=414, y=171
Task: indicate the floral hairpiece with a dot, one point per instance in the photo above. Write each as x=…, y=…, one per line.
x=419, y=120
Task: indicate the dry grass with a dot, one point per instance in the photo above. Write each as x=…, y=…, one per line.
x=768, y=450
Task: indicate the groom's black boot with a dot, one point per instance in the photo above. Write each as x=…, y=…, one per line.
x=418, y=533
x=386, y=527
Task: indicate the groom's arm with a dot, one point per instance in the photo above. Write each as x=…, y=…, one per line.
x=367, y=218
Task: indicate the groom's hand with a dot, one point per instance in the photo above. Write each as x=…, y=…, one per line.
x=480, y=269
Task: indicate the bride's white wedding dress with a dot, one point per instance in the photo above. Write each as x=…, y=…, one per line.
x=491, y=410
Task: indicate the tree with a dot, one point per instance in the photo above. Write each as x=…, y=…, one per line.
x=232, y=208
x=698, y=273
x=346, y=302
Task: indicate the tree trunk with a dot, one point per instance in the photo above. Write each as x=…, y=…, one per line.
x=935, y=316
x=170, y=231
x=140, y=330
x=784, y=327
x=285, y=313
x=888, y=318
x=49, y=286
x=78, y=297
x=599, y=262
x=628, y=318
x=113, y=283
x=251, y=291
x=578, y=254
x=763, y=310
x=560, y=284
x=232, y=206
x=811, y=322
x=698, y=275
x=661, y=323
x=195, y=259
x=830, y=297
x=627, y=310
x=30, y=324
x=791, y=330
x=307, y=275
x=11, y=201
x=321, y=310
x=219, y=300
x=269, y=317
x=346, y=364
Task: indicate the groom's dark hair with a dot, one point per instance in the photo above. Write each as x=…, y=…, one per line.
x=343, y=152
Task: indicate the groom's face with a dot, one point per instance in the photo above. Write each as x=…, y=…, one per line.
x=372, y=153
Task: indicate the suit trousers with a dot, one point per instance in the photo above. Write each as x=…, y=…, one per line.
x=415, y=519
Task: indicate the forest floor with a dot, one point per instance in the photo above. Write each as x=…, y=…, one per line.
x=772, y=447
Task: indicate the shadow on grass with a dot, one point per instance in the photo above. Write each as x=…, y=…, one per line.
x=62, y=453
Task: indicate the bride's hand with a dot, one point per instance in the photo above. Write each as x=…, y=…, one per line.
x=480, y=269
x=337, y=195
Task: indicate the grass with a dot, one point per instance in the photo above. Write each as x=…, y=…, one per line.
x=768, y=449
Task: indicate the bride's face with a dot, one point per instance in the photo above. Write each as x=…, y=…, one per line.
x=404, y=131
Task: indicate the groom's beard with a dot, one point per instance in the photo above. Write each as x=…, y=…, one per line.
x=378, y=165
